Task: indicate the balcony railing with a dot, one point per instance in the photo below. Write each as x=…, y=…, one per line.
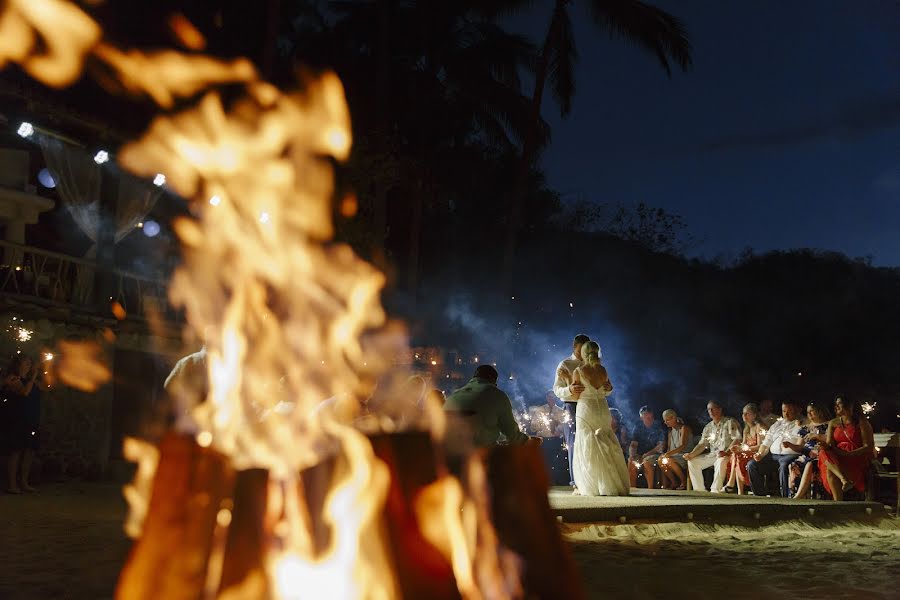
x=53, y=279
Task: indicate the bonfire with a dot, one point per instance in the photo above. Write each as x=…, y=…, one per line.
x=267, y=490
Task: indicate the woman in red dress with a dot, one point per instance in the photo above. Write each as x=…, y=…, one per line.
x=847, y=451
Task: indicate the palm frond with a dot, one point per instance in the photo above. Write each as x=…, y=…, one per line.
x=651, y=28
x=561, y=59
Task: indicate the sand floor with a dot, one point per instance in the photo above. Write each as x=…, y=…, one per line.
x=67, y=542
x=788, y=561
x=64, y=542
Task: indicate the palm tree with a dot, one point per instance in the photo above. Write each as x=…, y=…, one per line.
x=650, y=28
x=445, y=75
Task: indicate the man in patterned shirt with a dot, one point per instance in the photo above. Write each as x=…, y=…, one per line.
x=718, y=437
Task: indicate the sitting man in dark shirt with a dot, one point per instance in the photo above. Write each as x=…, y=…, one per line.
x=647, y=443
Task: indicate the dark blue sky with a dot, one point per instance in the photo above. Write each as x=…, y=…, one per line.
x=785, y=134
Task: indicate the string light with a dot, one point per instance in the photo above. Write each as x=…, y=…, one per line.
x=26, y=130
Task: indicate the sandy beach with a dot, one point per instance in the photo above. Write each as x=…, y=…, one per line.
x=67, y=542
x=790, y=561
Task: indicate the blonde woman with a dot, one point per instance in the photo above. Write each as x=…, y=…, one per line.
x=672, y=463
x=599, y=465
x=742, y=452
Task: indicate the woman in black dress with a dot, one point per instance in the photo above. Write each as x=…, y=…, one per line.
x=20, y=419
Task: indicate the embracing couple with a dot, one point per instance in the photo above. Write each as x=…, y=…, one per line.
x=596, y=463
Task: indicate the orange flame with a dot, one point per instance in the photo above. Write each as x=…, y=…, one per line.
x=285, y=311
x=48, y=38
x=81, y=365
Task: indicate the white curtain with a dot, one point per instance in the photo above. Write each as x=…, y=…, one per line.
x=78, y=179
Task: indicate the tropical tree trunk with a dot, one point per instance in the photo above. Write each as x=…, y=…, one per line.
x=529, y=154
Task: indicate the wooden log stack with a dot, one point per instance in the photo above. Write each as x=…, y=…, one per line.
x=205, y=533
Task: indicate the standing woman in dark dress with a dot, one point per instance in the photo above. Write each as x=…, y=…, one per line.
x=21, y=416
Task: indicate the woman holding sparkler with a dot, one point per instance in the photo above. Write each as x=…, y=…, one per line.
x=21, y=419
x=672, y=462
x=742, y=453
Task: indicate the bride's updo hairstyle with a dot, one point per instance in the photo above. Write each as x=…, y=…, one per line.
x=590, y=353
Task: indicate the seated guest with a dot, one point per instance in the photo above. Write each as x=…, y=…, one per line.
x=847, y=451
x=773, y=455
x=647, y=443
x=486, y=409
x=672, y=461
x=805, y=480
x=547, y=420
x=617, y=423
x=742, y=453
x=766, y=416
x=718, y=437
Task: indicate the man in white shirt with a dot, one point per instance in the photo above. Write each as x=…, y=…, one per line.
x=718, y=437
x=568, y=392
x=773, y=455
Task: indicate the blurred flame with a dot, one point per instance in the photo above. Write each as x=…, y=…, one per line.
x=137, y=493
x=289, y=317
x=186, y=33
x=118, y=311
x=167, y=74
x=48, y=38
x=81, y=365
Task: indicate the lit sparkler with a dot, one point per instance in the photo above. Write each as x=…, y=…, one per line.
x=745, y=447
x=665, y=460
x=23, y=335
x=868, y=407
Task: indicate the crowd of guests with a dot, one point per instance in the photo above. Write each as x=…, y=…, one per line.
x=796, y=455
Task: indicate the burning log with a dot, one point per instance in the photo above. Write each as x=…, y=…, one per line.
x=421, y=569
x=192, y=484
x=521, y=514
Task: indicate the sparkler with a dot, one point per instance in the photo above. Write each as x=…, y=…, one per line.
x=868, y=408
x=23, y=335
x=745, y=447
x=665, y=460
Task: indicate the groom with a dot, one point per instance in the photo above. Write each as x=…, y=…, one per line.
x=568, y=391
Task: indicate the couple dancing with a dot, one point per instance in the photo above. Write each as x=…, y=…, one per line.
x=596, y=462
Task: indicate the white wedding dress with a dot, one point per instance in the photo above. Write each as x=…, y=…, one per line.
x=598, y=460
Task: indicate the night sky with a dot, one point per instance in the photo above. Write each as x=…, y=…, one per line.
x=785, y=134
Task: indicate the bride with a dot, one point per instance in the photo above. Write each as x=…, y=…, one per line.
x=599, y=463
